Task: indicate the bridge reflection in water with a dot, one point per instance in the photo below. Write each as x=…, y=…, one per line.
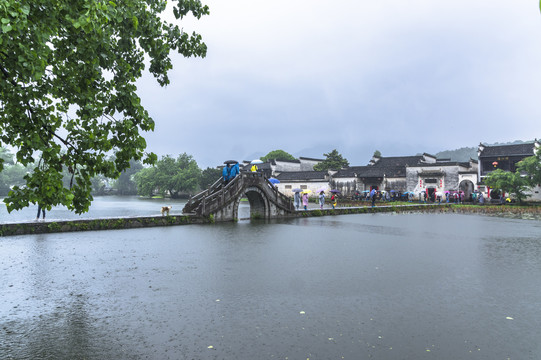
x=222, y=202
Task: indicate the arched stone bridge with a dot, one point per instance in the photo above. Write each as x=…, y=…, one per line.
x=222, y=202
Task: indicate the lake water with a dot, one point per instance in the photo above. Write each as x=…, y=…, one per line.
x=382, y=286
x=102, y=206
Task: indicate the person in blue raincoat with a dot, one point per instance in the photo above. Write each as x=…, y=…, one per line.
x=373, y=194
x=235, y=170
x=226, y=173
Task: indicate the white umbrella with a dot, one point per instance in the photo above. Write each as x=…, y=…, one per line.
x=256, y=161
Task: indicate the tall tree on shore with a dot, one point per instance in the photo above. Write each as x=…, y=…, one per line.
x=169, y=176
x=278, y=155
x=67, y=88
x=509, y=182
x=531, y=168
x=333, y=161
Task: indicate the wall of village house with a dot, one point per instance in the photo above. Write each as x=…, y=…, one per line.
x=448, y=181
x=347, y=186
x=286, y=166
x=396, y=184
x=534, y=194
x=287, y=187
x=307, y=165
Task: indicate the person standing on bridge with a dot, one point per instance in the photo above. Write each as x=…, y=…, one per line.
x=225, y=173
x=305, y=200
x=234, y=171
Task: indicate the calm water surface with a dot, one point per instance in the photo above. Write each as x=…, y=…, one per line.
x=410, y=286
x=102, y=206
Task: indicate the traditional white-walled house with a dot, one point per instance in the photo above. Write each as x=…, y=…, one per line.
x=505, y=157
x=442, y=175
x=305, y=180
x=382, y=173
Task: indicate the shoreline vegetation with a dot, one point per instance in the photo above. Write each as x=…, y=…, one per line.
x=527, y=212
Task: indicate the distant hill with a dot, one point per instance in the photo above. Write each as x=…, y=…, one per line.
x=467, y=153
x=462, y=154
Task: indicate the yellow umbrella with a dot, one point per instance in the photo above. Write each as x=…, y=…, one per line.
x=306, y=191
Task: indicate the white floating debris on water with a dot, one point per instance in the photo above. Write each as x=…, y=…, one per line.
x=509, y=318
x=302, y=313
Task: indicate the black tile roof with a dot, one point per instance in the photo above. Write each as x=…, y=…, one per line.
x=526, y=149
x=351, y=171
x=301, y=175
x=399, y=161
x=394, y=166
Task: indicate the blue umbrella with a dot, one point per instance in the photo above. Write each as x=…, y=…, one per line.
x=274, y=181
x=296, y=190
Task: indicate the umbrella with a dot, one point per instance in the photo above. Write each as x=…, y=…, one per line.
x=274, y=181
x=306, y=191
x=321, y=189
x=230, y=162
x=256, y=161
x=296, y=190
x=335, y=191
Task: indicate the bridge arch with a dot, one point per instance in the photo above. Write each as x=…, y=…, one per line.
x=259, y=203
x=222, y=202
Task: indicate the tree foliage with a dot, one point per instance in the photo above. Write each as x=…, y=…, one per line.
x=169, y=176
x=209, y=177
x=125, y=184
x=509, y=182
x=67, y=88
x=278, y=155
x=531, y=168
x=333, y=161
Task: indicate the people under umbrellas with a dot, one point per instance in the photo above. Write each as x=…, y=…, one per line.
x=321, y=199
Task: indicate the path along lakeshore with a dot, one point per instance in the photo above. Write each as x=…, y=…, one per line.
x=133, y=222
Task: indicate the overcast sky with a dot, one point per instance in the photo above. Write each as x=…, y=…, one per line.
x=308, y=76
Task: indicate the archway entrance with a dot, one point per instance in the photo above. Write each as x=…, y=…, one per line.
x=468, y=187
x=431, y=194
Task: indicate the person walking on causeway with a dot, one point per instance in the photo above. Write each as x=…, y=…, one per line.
x=321, y=200
x=305, y=201
x=373, y=194
x=42, y=210
x=297, y=200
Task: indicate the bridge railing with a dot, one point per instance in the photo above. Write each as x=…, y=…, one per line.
x=195, y=200
x=221, y=196
x=218, y=195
